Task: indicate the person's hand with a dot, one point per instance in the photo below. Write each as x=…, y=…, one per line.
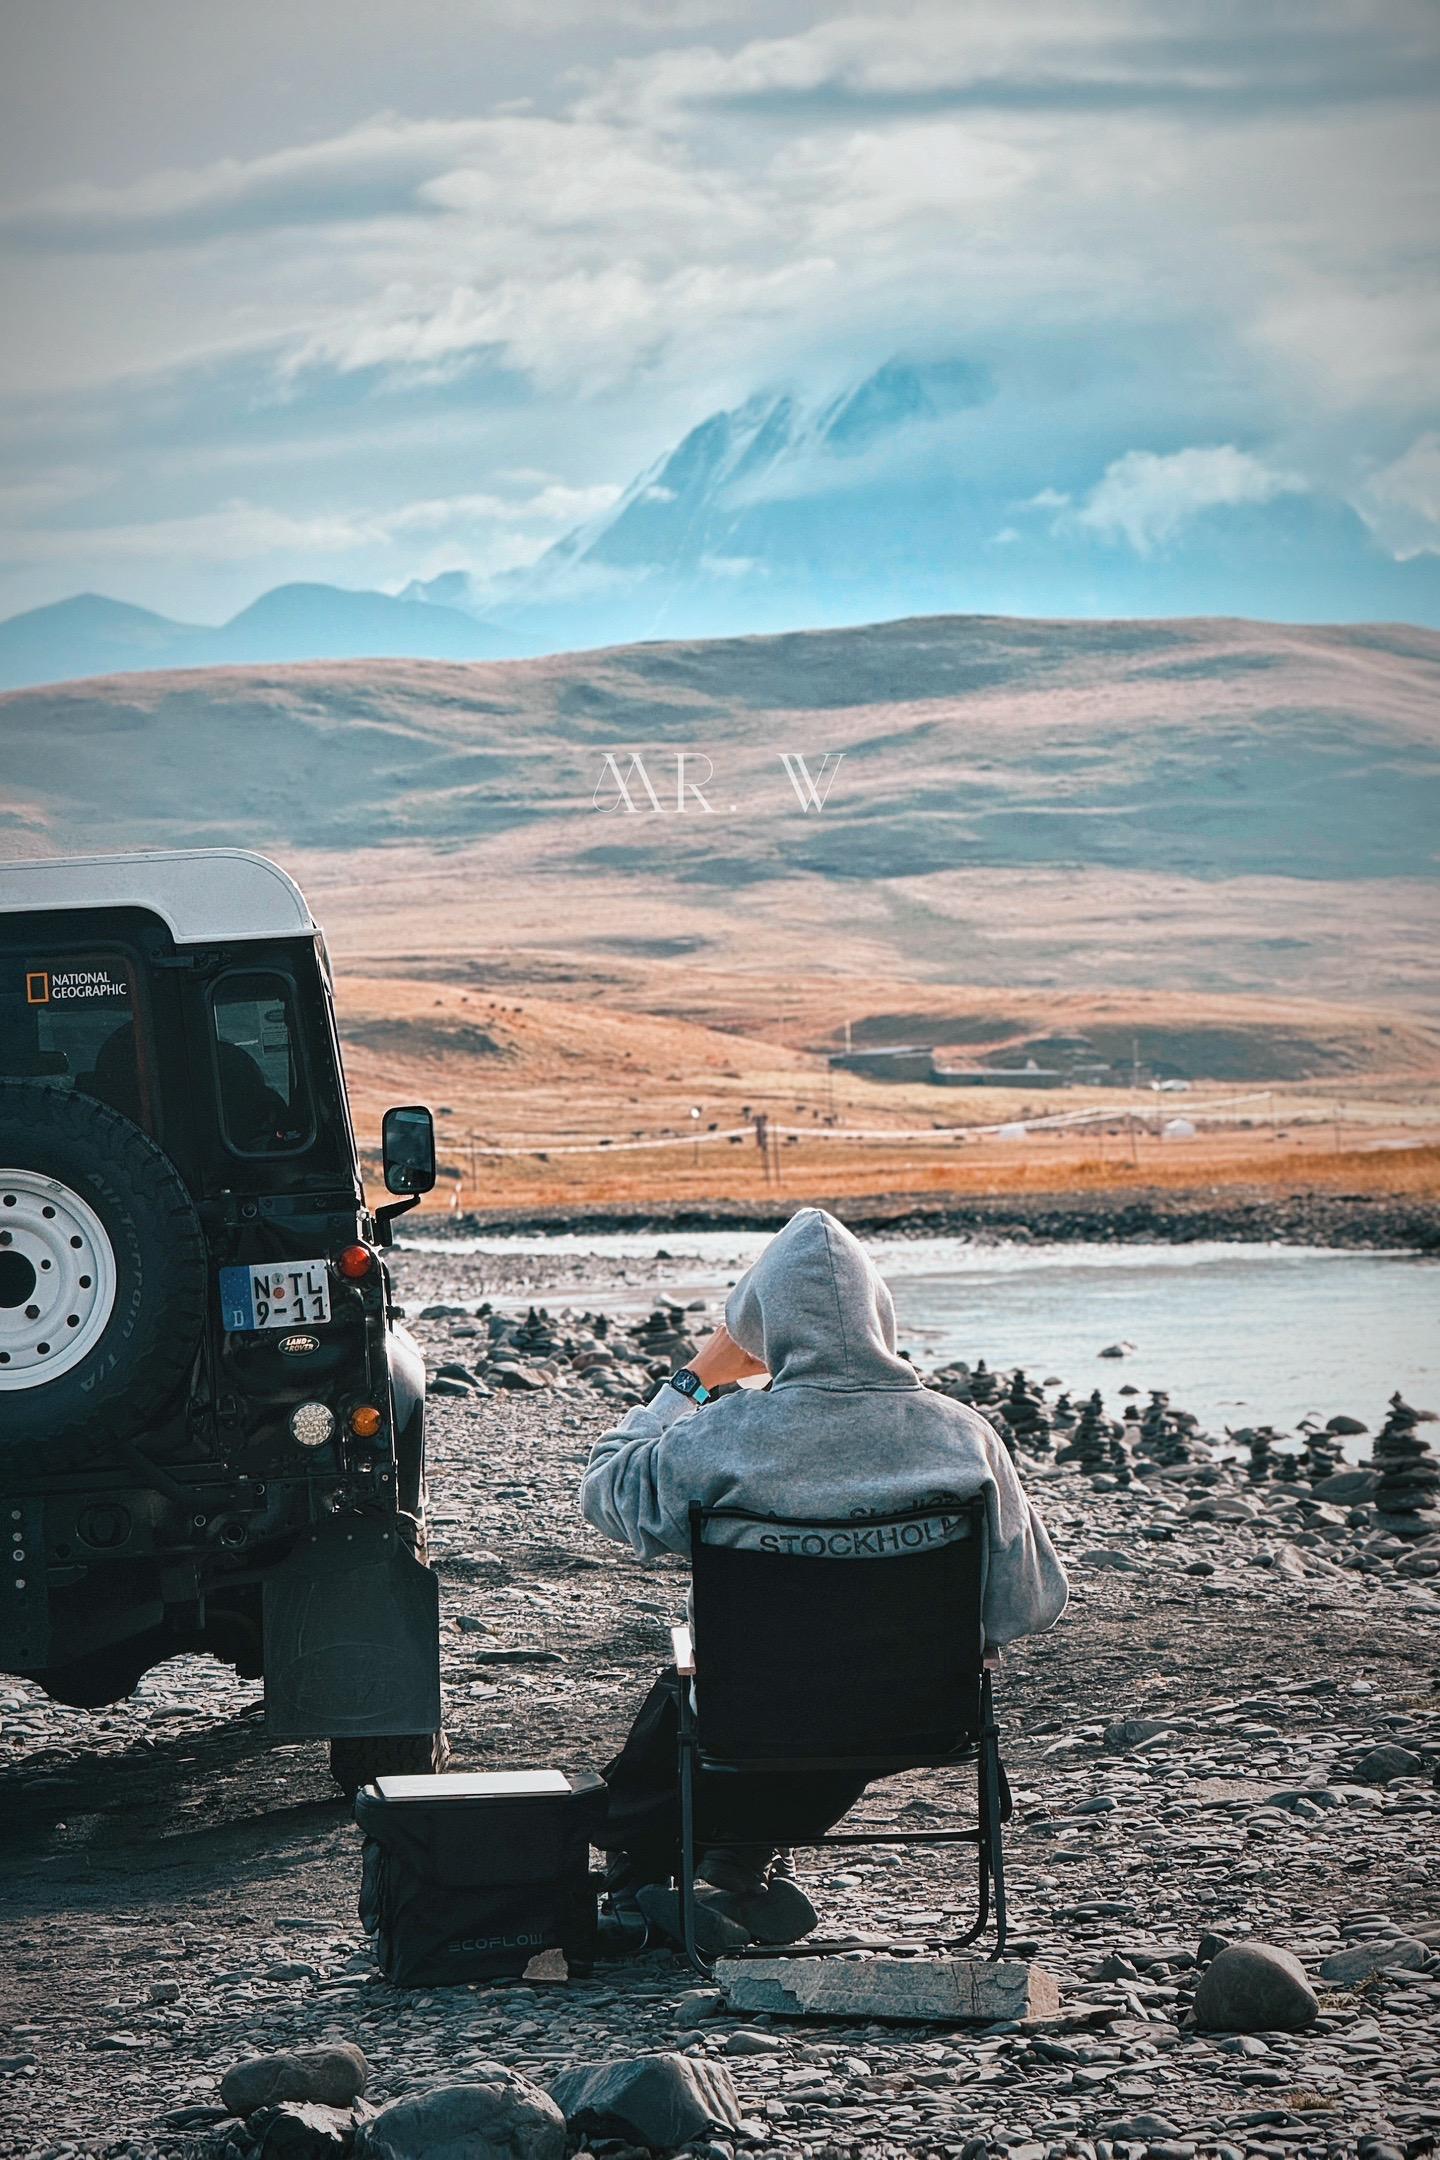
x=720, y=1360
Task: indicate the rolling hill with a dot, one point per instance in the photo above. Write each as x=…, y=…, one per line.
x=90, y=635
x=1206, y=806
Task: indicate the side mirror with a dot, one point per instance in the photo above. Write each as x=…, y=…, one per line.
x=407, y=1150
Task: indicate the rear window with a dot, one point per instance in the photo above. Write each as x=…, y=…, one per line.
x=264, y=1099
x=71, y=1022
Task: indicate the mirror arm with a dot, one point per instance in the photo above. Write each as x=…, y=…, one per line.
x=384, y=1216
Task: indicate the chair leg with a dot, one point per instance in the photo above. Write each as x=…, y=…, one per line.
x=693, y=1952
x=973, y=1934
x=993, y=1823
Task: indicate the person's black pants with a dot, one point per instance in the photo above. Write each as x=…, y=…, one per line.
x=641, y=1831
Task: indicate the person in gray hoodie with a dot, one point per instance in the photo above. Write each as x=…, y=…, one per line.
x=845, y=1428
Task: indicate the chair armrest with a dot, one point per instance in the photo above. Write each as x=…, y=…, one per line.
x=682, y=1645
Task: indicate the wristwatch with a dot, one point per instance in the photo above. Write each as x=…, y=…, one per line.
x=689, y=1383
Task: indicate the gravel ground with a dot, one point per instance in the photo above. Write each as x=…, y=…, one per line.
x=1185, y=1750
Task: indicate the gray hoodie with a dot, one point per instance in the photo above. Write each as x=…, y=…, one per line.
x=845, y=1429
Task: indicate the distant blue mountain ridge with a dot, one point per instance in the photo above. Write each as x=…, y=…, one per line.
x=893, y=498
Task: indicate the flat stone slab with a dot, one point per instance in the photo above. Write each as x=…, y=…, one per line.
x=928, y=1990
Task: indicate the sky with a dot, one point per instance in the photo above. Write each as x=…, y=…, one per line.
x=366, y=290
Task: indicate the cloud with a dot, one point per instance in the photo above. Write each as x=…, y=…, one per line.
x=1090, y=60
x=244, y=531
x=1142, y=221
x=553, y=504
x=374, y=171
x=1401, y=502
x=1144, y=499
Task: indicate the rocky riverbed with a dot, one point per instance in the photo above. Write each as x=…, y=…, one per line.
x=1122, y=1215
x=1232, y=1734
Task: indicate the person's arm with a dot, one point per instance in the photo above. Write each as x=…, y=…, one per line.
x=1026, y=1590
x=620, y=1493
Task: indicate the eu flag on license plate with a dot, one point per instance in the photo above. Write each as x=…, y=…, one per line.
x=237, y=1299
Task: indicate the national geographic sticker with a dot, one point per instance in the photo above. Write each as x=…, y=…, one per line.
x=74, y=986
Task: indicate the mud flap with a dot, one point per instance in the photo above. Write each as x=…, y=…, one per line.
x=352, y=1637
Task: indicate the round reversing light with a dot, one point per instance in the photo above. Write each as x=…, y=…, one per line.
x=312, y=1424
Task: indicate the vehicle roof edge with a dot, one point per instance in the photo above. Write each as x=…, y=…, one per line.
x=203, y=895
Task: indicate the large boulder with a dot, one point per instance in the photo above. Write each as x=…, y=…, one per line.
x=1253, y=1987
x=333, y=2076
x=1132, y=1732
x=1359, y=1962
x=1349, y=1485
x=304, y=2130
x=494, y=2115
x=1388, y=1761
x=656, y=2100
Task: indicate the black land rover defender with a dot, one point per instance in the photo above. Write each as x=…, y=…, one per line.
x=211, y=1425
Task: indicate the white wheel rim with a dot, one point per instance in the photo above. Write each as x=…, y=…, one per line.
x=57, y=1279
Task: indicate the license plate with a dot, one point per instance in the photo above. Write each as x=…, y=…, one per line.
x=295, y=1295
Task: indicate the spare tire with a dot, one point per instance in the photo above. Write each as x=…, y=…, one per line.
x=103, y=1275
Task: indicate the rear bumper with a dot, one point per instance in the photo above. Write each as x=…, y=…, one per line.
x=341, y=1617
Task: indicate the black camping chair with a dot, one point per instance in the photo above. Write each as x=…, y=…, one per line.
x=806, y=1654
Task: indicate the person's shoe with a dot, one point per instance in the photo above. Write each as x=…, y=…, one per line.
x=752, y=1890
x=622, y=1929
x=715, y=1931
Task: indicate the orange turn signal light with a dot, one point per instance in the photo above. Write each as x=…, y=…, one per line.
x=365, y=1422
x=355, y=1262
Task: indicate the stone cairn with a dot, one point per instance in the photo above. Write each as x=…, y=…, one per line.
x=1064, y=1417
x=1027, y=1416
x=1092, y=1445
x=1260, y=1441
x=1320, y=1456
x=662, y=1342
x=1002, y=1426
x=984, y=1385
x=1406, y=1495
x=535, y=1336
x=1162, y=1437
x=1119, y=1457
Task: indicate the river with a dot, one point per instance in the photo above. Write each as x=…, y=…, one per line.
x=1238, y=1333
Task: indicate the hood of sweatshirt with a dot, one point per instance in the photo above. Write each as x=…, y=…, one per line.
x=815, y=1308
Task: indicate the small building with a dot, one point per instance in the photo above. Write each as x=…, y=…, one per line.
x=891, y=1061
x=999, y=1076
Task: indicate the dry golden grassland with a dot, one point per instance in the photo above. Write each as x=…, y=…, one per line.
x=507, y=1069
